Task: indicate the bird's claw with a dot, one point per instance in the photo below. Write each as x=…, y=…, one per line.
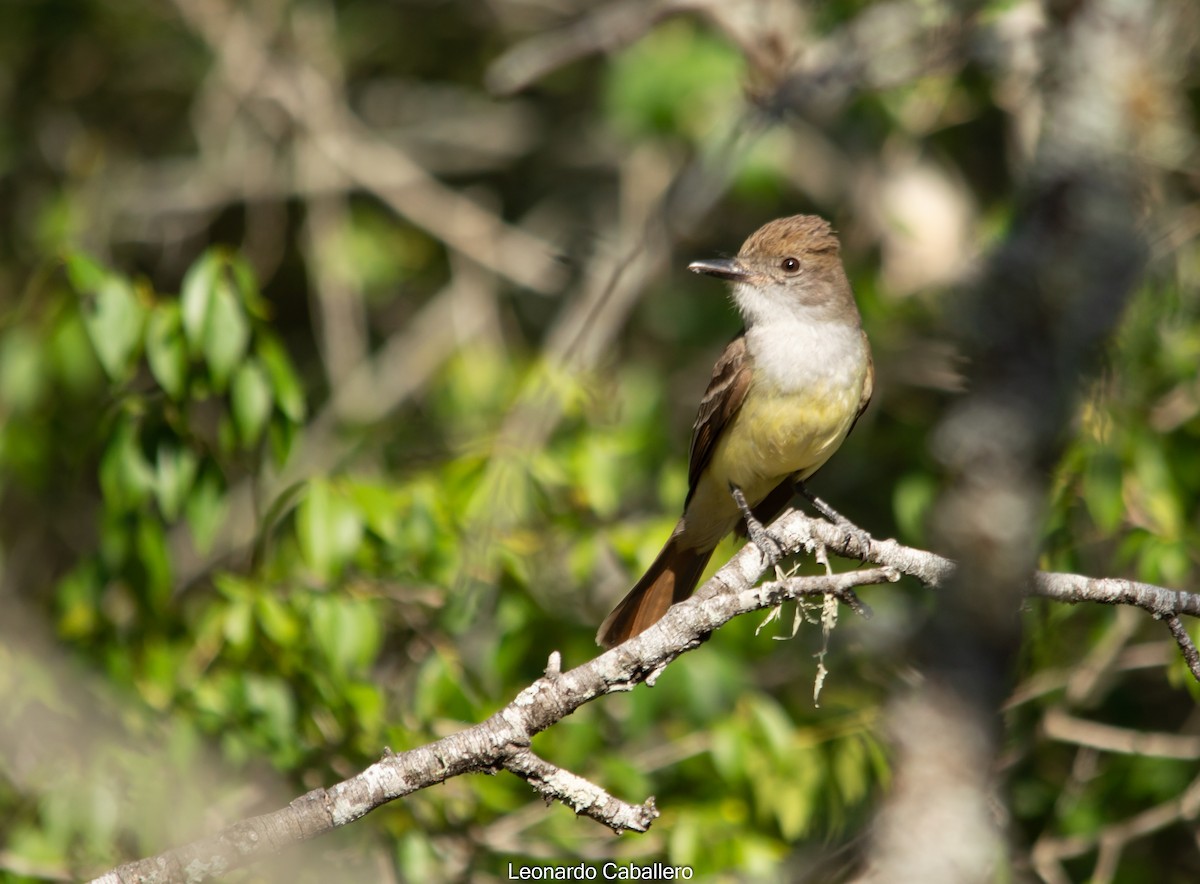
x=768, y=544
x=856, y=538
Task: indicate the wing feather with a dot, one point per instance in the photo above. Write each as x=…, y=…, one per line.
x=724, y=396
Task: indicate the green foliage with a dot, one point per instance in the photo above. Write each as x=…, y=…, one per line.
x=354, y=576
x=246, y=592
x=673, y=82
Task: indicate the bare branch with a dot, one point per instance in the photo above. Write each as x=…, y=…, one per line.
x=935, y=571
x=502, y=741
x=1186, y=646
x=1049, y=852
x=1066, y=728
x=355, y=153
x=1156, y=600
x=586, y=799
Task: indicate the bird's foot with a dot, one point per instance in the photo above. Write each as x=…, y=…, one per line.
x=769, y=545
x=858, y=541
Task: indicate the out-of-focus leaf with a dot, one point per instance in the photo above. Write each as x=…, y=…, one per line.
x=278, y=622
x=126, y=478
x=113, y=318
x=226, y=335
x=281, y=434
x=380, y=507
x=205, y=509
x=75, y=362
x=196, y=297
x=272, y=701
x=155, y=560
x=85, y=273
x=166, y=349
x=346, y=631
x=175, y=472
x=851, y=769
x=673, y=81
x=250, y=398
x=22, y=371
x=76, y=597
x=284, y=385
x=247, y=286
x=912, y=498
x=328, y=528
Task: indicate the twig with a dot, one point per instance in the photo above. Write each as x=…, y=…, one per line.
x=1059, y=725
x=502, y=741
x=586, y=799
x=253, y=73
x=606, y=29
x=1156, y=600
x=1050, y=851
x=1186, y=646
x=935, y=571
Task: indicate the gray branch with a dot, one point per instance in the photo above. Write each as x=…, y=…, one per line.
x=502, y=741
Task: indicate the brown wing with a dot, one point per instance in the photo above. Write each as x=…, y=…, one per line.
x=724, y=396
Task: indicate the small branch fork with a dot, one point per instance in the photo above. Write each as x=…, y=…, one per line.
x=502, y=742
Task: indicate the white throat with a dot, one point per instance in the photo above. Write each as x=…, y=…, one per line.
x=792, y=353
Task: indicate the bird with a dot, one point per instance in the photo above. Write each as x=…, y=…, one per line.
x=783, y=396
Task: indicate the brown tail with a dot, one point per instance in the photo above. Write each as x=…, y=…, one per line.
x=670, y=579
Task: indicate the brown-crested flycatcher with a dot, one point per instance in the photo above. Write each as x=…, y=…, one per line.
x=783, y=396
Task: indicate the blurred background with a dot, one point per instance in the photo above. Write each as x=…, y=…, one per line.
x=348, y=361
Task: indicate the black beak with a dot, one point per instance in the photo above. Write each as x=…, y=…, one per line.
x=724, y=268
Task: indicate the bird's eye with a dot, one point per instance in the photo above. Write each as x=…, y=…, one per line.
x=790, y=265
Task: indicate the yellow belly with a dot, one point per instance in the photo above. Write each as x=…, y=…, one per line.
x=772, y=436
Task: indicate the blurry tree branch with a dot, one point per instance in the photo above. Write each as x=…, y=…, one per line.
x=502, y=742
x=1044, y=302
x=663, y=199
x=250, y=69
x=1050, y=851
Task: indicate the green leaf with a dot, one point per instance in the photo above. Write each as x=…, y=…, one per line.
x=22, y=370
x=277, y=620
x=912, y=498
x=773, y=723
x=251, y=400
x=175, y=471
x=85, y=273
x=75, y=362
x=676, y=80
x=226, y=336
x=381, y=509
x=244, y=279
x=155, y=560
x=126, y=478
x=366, y=702
x=278, y=366
x=238, y=625
x=205, y=509
x=114, y=318
x=166, y=349
x=76, y=596
x=281, y=433
x=272, y=700
x=196, y=298
x=851, y=770
x=328, y=527
x=347, y=632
